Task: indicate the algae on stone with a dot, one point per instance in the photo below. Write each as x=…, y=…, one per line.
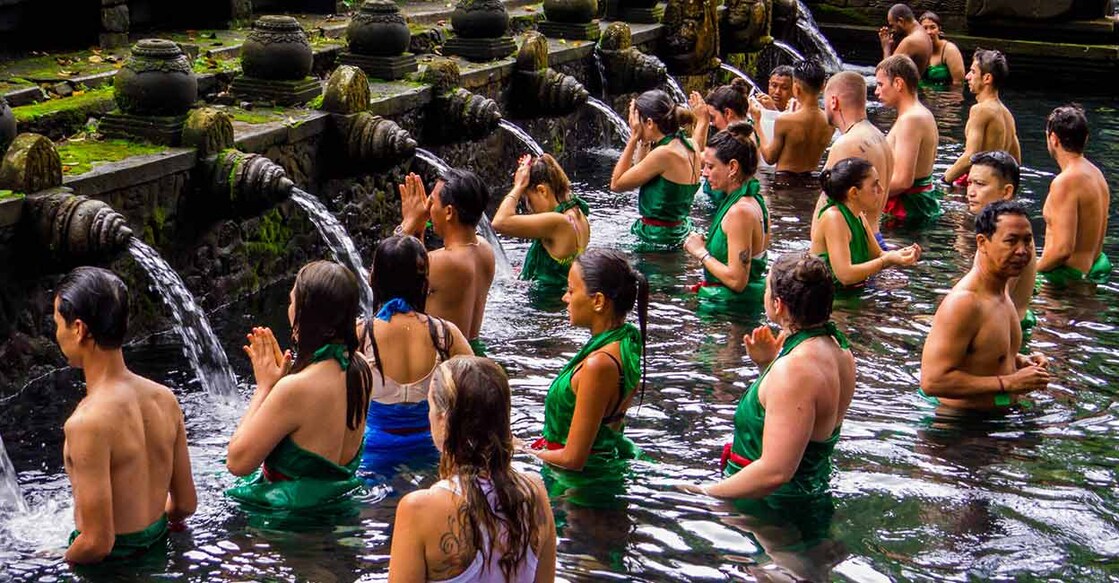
x=79, y=157
x=95, y=100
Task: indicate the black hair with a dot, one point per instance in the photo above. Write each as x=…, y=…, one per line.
x=810, y=74
x=988, y=219
x=804, y=284
x=902, y=66
x=99, y=299
x=735, y=143
x=781, y=71
x=930, y=15
x=847, y=173
x=732, y=97
x=1070, y=125
x=546, y=170
x=465, y=191
x=901, y=12
x=994, y=63
x=610, y=273
x=1003, y=164
x=659, y=107
x=399, y=270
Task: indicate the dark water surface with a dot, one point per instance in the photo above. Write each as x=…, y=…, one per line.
x=1029, y=496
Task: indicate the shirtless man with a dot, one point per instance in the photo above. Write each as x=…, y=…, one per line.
x=462, y=271
x=990, y=126
x=1076, y=209
x=126, y=446
x=915, y=42
x=970, y=359
x=799, y=137
x=913, y=140
x=780, y=89
x=845, y=107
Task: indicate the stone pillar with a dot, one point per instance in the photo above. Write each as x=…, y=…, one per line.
x=114, y=23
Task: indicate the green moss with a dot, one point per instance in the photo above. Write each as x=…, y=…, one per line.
x=256, y=116
x=89, y=100
x=316, y=103
x=9, y=195
x=208, y=64
x=273, y=236
x=79, y=157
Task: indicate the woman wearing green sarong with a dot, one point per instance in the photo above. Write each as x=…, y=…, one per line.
x=843, y=238
x=557, y=223
x=946, y=65
x=733, y=254
x=660, y=161
x=586, y=404
x=301, y=435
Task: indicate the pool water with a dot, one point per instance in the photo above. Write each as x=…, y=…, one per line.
x=916, y=496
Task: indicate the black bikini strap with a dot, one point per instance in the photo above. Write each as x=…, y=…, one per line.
x=615, y=415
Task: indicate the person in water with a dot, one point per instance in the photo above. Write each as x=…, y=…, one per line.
x=126, y=445
x=733, y=254
x=1077, y=206
x=914, y=41
x=780, y=89
x=462, y=271
x=403, y=346
x=801, y=136
x=483, y=521
x=724, y=105
x=913, y=140
x=301, y=436
x=995, y=176
x=946, y=66
x=586, y=404
x=970, y=359
x=845, y=106
x=660, y=161
x=842, y=237
x=557, y=223
x=990, y=125
x=788, y=421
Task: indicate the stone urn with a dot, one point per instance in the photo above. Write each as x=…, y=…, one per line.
x=156, y=80
x=745, y=26
x=637, y=11
x=574, y=11
x=480, y=19
x=7, y=125
x=378, y=29
x=277, y=49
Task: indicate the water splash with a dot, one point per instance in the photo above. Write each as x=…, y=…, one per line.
x=616, y=121
x=523, y=136
x=200, y=344
x=432, y=160
x=676, y=90
x=601, y=71
x=338, y=240
x=737, y=73
x=788, y=49
x=11, y=498
x=823, y=49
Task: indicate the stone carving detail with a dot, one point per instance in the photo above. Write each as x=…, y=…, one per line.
x=277, y=49
x=209, y=131
x=7, y=125
x=378, y=29
x=456, y=114
x=347, y=91
x=690, y=45
x=627, y=69
x=746, y=25
x=540, y=90
x=374, y=139
x=156, y=80
x=249, y=182
x=31, y=164
x=76, y=227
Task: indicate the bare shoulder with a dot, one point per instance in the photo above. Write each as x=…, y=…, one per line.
x=89, y=421
x=962, y=303
x=423, y=505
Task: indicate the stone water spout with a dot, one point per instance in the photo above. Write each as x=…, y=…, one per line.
x=745, y=26
x=456, y=114
x=690, y=44
x=369, y=139
x=539, y=90
x=625, y=68
x=74, y=227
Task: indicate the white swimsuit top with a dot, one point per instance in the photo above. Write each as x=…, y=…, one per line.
x=389, y=392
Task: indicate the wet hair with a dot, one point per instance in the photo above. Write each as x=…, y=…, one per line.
x=545, y=170
x=849, y=87
x=810, y=74
x=804, y=284
x=733, y=97
x=735, y=143
x=99, y=299
x=987, y=221
x=400, y=270
x=610, y=273
x=326, y=307
x=901, y=12
x=1070, y=125
x=1003, y=164
x=473, y=394
x=930, y=15
x=465, y=191
x=838, y=180
x=665, y=113
x=994, y=63
x=781, y=71
x=902, y=66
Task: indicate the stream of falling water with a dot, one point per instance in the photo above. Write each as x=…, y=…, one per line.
x=338, y=240
x=737, y=73
x=616, y=121
x=522, y=136
x=11, y=498
x=676, y=90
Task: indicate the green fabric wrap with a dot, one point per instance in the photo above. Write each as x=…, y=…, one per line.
x=559, y=404
x=1028, y=323
x=715, y=196
x=714, y=291
x=478, y=346
x=661, y=199
x=814, y=471
x=1064, y=275
x=312, y=480
x=134, y=543
x=859, y=246
x=936, y=77
x=539, y=265
x=333, y=352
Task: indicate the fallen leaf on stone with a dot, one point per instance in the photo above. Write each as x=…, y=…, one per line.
x=77, y=92
x=66, y=73
x=529, y=9
x=562, y=41
x=96, y=59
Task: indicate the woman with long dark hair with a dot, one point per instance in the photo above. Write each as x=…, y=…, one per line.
x=483, y=521
x=660, y=161
x=946, y=65
x=303, y=427
x=402, y=345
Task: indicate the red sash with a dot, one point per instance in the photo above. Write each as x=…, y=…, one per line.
x=272, y=475
x=659, y=223
x=695, y=288
x=545, y=444
x=729, y=455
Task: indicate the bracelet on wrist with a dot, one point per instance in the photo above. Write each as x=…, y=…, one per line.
x=704, y=257
x=398, y=231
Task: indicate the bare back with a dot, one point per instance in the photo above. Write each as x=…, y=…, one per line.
x=1000, y=130
x=460, y=279
x=918, y=46
x=806, y=134
x=1083, y=182
x=865, y=141
x=913, y=141
x=833, y=388
x=405, y=345
x=682, y=165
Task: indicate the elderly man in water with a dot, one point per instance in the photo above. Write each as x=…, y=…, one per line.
x=970, y=359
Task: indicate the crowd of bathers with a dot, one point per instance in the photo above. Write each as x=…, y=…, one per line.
x=358, y=395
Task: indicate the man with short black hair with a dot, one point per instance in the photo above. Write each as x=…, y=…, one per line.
x=990, y=126
x=1077, y=205
x=780, y=89
x=460, y=274
x=911, y=195
x=915, y=42
x=970, y=359
x=126, y=447
x=799, y=137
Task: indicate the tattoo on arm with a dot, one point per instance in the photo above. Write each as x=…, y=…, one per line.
x=744, y=257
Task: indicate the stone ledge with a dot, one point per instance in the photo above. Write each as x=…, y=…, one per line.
x=258, y=137
x=131, y=171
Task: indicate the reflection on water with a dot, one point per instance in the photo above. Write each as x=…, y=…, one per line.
x=916, y=496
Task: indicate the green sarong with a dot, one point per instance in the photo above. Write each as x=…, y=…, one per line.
x=859, y=246
x=478, y=346
x=937, y=77
x=540, y=266
x=134, y=543
x=664, y=206
x=917, y=205
x=1028, y=323
x=712, y=291
x=293, y=478
x=1064, y=275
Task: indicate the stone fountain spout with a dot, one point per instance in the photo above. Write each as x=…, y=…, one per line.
x=456, y=114
x=369, y=139
x=75, y=228
x=626, y=69
x=539, y=90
